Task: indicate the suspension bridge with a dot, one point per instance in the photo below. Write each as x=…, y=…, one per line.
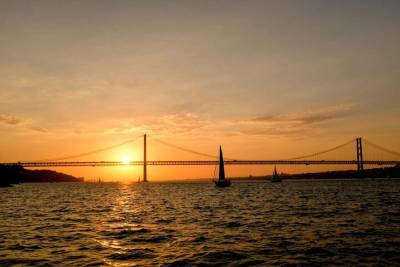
x=310, y=159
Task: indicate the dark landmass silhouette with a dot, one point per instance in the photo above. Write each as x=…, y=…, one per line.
x=17, y=174
x=386, y=172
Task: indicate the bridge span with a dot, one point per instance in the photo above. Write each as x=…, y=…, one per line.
x=198, y=162
x=357, y=158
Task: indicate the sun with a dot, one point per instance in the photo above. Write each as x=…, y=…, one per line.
x=126, y=159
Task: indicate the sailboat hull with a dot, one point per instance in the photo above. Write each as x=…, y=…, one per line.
x=275, y=177
x=222, y=183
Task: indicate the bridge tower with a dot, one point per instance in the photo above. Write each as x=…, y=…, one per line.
x=360, y=161
x=144, y=159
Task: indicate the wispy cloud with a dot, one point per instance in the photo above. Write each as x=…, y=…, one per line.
x=297, y=123
x=38, y=129
x=20, y=123
x=310, y=117
x=178, y=123
x=286, y=125
x=9, y=120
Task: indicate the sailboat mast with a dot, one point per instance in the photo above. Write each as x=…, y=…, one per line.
x=221, y=165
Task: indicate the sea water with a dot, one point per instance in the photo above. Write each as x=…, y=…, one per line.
x=251, y=223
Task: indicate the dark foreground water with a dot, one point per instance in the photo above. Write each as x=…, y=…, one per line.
x=337, y=222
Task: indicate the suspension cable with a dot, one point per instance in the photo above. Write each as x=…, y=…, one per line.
x=295, y=158
x=381, y=148
x=184, y=149
x=322, y=152
x=93, y=151
x=187, y=150
x=208, y=155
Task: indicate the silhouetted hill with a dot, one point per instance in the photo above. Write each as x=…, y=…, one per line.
x=387, y=172
x=17, y=174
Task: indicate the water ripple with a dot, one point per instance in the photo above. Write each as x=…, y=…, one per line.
x=299, y=223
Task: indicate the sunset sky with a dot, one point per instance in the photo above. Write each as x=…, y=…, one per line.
x=266, y=79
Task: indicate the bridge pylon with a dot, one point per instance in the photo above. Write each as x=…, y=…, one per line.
x=360, y=160
x=144, y=158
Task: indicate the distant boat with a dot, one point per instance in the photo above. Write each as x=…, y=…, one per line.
x=221, y=182
x=275, y=177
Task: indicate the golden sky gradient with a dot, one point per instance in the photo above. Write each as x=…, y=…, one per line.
x=266, y=79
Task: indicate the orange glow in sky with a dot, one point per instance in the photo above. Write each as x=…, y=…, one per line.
x=266, y=79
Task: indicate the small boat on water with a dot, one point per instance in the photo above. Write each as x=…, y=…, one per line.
x=275, y=177
x=221, y=182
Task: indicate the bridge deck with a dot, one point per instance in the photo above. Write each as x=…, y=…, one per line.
x=198, y=162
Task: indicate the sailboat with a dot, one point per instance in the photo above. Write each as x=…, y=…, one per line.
x=275, y=177
x=221, y=182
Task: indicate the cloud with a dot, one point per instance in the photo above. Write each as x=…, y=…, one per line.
x=38, y=129
x=289, y=125
x=177, y=123
x=182, y=123
x=20, y=124
x=297, y=123
x=9, y=120
x=310, y=117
